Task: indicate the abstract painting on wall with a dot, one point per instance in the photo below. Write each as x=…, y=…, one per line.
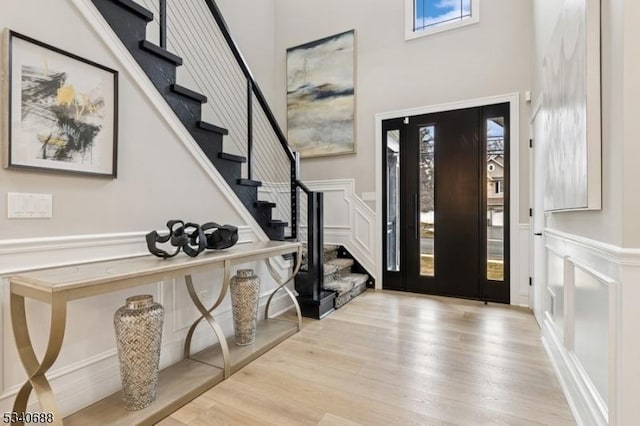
x=571, y=103
x=62, y=110
x=321, y=96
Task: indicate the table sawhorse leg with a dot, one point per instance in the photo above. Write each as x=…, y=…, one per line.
x=36, y=370
x=206, y=314
x=282, y=285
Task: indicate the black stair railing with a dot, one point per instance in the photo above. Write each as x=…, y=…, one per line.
x=309, y=283
x=252, y=90
x=163, y=24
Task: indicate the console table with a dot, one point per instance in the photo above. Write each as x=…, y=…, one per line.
x=178, y=383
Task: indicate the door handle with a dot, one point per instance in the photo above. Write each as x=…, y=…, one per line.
x=538, y=234
x=417, y=214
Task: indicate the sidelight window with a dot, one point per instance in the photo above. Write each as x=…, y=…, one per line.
x=495, y=198
x=427, y=199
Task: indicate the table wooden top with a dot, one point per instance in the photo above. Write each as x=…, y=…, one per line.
x=101, y=277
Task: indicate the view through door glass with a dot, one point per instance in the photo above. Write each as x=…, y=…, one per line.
x=427, y=199
x=393, y=198
x=495, y=279
x=495, y=198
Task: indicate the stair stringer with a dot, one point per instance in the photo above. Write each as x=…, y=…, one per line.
x=95, y=19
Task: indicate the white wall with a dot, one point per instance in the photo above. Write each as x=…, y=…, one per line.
x=252, y=25
x=594, y=344
x=605, y=225
x=486, y=59
x=631, y=109
x=157, y=177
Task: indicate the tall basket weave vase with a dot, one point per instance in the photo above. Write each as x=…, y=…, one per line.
x=138, y=327
x=245, y=292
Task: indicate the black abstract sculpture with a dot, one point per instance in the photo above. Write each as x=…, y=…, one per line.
x=192, y=238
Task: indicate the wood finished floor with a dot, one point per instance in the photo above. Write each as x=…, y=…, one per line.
x=390, y=358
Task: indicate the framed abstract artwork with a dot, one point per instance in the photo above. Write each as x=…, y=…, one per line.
x=571, y=106
x=62, y=110
x=321, y=96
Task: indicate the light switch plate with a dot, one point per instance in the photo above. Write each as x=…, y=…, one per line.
x=29, y=206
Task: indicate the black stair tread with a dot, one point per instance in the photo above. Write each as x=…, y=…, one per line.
x=232, y=157
x=260, y=203
x=136, y=9
x=249, y=182
x=276, y=222
x=181, y=90
x=160, y=52
x=212, y=128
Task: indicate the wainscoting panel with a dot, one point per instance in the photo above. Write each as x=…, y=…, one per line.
x=591, y=328
x=87, y=368
x=363, y=227
x=555, y=290
x=583, y=328
x=348, y=221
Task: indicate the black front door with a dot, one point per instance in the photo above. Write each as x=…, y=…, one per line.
x=446, y=195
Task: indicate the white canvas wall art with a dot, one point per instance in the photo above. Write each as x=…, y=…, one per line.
x=571, y=100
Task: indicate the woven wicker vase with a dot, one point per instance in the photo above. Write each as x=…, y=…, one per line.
x=138, y=327
x=245, y=291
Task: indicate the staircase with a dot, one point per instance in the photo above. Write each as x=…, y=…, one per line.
x=339, y=284
x=339, y=278
x=225, y=77
x=129, y=21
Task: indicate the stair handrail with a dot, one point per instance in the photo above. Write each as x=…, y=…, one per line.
x=217, y=15
x=252, y=89
x=312, y=282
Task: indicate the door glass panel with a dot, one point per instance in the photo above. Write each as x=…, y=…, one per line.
x=393, y=200
x=495, y=199
x=427, y=204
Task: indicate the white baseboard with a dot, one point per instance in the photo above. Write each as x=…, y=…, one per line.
x=575, y=385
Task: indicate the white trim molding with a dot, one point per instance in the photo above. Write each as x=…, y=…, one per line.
x=602, y=389
x=514, y=179
x=348, y=221
x=19, y=255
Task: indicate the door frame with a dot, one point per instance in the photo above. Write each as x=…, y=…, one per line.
x=514, y=210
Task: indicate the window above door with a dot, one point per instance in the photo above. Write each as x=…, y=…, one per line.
x=425, y=17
